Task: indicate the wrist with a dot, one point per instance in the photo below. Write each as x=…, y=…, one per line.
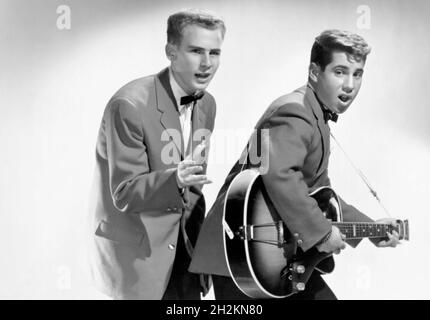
x=325, y=238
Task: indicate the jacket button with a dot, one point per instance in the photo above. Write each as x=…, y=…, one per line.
x=169, y=209
x=171, y=246
x=175, y=209
x=300, y=242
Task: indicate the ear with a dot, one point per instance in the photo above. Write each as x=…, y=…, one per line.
x=170, y=51
x=314, y=71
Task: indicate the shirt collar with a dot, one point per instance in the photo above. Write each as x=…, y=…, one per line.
x=178, y=92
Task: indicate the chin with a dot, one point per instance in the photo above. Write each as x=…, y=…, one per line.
x=200, y=86
x=342, y=109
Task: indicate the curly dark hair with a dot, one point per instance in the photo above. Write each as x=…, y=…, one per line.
x=337, y=40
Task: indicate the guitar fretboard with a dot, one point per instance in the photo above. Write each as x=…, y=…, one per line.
x=359, y=230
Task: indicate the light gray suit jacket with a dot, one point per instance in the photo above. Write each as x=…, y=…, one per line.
x=136, y=203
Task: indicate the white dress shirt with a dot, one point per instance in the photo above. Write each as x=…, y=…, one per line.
x=185, y=111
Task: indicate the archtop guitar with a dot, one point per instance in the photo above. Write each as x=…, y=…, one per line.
x=262, y=255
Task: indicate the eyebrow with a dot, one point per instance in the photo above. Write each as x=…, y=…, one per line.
x=201, y=48
x=341, y=66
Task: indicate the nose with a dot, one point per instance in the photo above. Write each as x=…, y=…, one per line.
x=206, y=62
x=348, y=84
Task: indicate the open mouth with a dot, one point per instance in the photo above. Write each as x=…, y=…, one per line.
x=202, y=76
x=344, y=98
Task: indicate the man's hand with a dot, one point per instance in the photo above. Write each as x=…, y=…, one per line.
x=334, y=243
x=188, y=170
x=393, y=238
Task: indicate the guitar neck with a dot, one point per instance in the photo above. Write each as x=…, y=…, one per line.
x=360, y=230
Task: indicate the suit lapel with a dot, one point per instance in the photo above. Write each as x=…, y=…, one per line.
x=166, y=105
x=321, y=124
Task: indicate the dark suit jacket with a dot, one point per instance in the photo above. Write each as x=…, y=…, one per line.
x=137, y=206
x=297, y=150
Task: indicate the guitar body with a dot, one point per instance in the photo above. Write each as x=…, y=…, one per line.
x=263, y=258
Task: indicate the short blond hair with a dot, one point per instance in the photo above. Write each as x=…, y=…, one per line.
x=178, y=21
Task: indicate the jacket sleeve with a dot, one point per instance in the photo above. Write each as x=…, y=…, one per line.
x=133, y=186
x=290, y=135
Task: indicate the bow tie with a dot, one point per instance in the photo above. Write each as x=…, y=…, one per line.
x=329, y=115
x=192, y=98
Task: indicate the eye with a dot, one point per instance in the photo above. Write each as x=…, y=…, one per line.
x=358, y=74
x=215, y=53
x=339, y=72
x=196, y=50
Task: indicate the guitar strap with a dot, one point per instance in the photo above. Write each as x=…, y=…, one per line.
x=362, y=176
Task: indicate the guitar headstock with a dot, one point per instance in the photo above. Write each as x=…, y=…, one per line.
x=403, y=229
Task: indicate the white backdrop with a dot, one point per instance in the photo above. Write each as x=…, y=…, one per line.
x=55, y=82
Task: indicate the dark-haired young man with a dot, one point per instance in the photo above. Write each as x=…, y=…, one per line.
x=297, y=158
x=148, y=204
